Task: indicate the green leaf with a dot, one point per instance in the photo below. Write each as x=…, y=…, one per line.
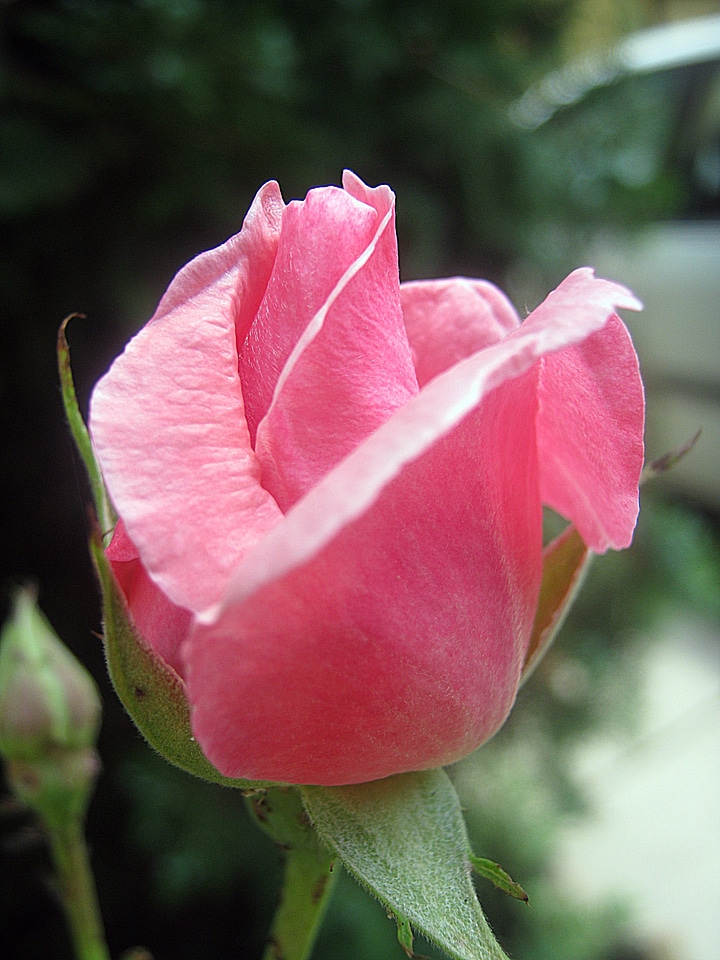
x=103, y=508
x=404, y=839
x=565, y=561
x=151, y=691
x=501, y=878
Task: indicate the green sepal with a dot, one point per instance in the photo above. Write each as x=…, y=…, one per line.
x=404, y=840
x=279, y=812
x=150, y=690
x=500, y=878
x=565, y=562
x=103, y=507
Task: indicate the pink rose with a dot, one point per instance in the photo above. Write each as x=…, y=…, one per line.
x=330, y=486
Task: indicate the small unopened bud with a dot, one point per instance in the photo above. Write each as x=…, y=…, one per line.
x=49, y=714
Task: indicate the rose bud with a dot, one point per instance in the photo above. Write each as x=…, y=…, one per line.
x=330, y=486
x=49, y=714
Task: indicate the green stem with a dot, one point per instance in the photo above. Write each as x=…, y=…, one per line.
x=309, y=876
x=307, y=885
x=77, y=887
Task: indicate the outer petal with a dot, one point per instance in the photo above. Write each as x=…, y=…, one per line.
x=168, y=421
x=591, y=436
x=591, y=397
x=436, y=509
x=398, y=646
x=447, y=320
x=590, y=418
x=162, y=625
x=350, y=368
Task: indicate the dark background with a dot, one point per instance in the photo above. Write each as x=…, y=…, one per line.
x=132, y=136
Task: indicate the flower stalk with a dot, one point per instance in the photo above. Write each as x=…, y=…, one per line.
x=307, y=885
x=77, y=889
x=309, y=878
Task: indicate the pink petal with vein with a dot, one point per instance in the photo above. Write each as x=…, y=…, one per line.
x=168, y=420
x=420, y=549
x=320, y=237
x=397, y=645
x=591, y=436
x=591, y=413
x=447, y=320
x=350, y=368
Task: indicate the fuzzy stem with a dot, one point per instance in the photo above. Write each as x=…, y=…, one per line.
x=307, y=885
x=309, y=875
x=77, y=888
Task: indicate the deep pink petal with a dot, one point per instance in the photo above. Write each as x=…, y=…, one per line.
x=351, y=368
x=168, y=421
x=582, y=302
x=352, y=487
x=591, y=436
x=398, y=645
x=161, y=624
x=408, y=577
x=447, y=320
x=320, y=237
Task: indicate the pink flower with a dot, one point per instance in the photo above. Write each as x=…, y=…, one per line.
x=330, y=486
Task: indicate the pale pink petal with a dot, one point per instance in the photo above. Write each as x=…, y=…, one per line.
x=243, y=265
x=591, y=437
x=398, y=645
x=447, y=320
x=320, y=237
x=581, y=302
x=168, y=421
x=351, y=368
x=159, y=622
x=381, y=198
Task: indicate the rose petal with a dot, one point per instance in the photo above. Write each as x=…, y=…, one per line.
x=591, y=437
x=355, y=483
x=591, y=450
x=357, y=547
x=320, y=237
x=168, y=421
x=398, y=645
x=161, y=624
x=590, y=419
x=351, y=368
x=447, y=320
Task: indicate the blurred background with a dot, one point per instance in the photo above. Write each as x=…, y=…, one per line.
x=522, y=138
